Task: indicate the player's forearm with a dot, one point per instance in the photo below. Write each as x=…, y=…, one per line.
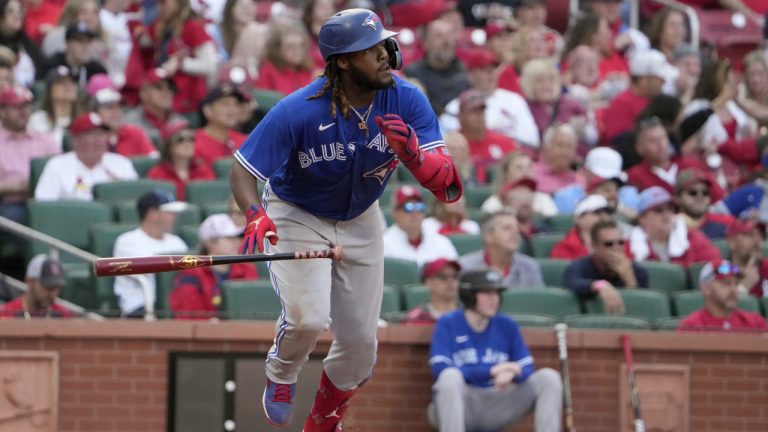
x=245, y=187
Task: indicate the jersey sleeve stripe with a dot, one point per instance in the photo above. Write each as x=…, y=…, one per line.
x=525, y=361
x=251, y=169
x=440, y=359
x=432, y=145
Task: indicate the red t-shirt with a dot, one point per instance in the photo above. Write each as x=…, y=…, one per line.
x=132, y=141
x=165, y=171
x=570, y=247
x=197, y=291
x=47, y=14
x=615, y=63
x=208, y=148
x=643, y=177
x=15, y=309
x=509, y=79
x=489, y=151
x=190, y=89
x=738, y=320
x=285, y=81
x=620, y=115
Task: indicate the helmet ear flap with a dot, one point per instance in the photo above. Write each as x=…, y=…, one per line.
x=395, y=57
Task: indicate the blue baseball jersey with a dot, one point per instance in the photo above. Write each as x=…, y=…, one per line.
x=456, y=344
x=325, y=164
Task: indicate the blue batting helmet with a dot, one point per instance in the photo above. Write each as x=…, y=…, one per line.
x=351, y=30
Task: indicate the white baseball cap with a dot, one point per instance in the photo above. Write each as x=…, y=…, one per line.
x=218, y=226
x=605, y=163
x=652, y=62
x=590, y=204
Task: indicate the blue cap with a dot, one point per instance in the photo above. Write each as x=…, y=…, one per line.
x=653, y=197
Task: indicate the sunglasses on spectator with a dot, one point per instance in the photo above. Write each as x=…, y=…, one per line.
x=612, y=243
x=184, y=137
x=697, y=192
x=724, y=270
x=413, y=207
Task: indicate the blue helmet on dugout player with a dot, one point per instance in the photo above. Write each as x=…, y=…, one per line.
x=354, y=30
x=472, y=281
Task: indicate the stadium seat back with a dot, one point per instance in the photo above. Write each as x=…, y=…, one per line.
x=542, y=244
x=466, y=243
x=649, y=304
x=142, y=164
x=598, y=321
x=556, y=302
x=666, y=277
x=534, y=320
x=124, y=190
x=390, y=301
x=222, y=167
x=415, y=295
x=68, y=221
x=552, y=271
x=399, y=273
x=202, y=192
x=250, y=300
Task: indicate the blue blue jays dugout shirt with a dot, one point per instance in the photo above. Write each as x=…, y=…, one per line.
x=325, y=164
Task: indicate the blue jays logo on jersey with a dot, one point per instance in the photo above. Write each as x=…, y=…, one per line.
x=371, y=21
x=383, y=171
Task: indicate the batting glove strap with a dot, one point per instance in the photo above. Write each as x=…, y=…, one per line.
x=401, y=137
x=258, y=226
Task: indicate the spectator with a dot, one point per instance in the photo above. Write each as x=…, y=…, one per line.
x=242, y=36
x=441, y=277
x=605, y=271
x=528, y=43
x=59, y=105
x=577, y=242
x=479, y=13
x=718, y=282
x=7, y=61
x=287, y=65
x=506, y=112
x=40, y=18
x=583, y=82
x=485, y=377
x=694, y=192
x=77, y=55
x=533, y=14
x=18, y=146
x=649, y=70
x=594, y=31
x=197, y=291
x=687, y=60
x=745, y=243
x=450, y=218
x=556, y=168
x=501, y=242
x=315, y=13
x=458, y=147
x=520, y=197
x=157, y=215
x=114, y=19
x=440, y=71
x=75, y=12
x=662, y=236
x=406, y=238
x=667, y=32
x=30, y=61
x=73, y=174
x=754, y=99
x=156, y=105
x=218, y=138
x=499, y=41
x=486, y=147
x=542, y=88
x=126, y=139
x=515, y=166
x=177, y=160
x=45, y=278
x=627, y=40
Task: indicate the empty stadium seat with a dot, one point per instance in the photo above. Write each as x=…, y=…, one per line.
x=667, y=324
x=68, y=221
x=79, y=287
x=124, y=190
x=560, y=223
x=399, y=273
x=649, y=304
x=542, y=244
x=163, y=289
x=693, y=274
x=250, y=299
x=597, y=321
x=534, y=320
x=267, y=98
x=415, y=295
x=688, y=302
x=188, y=233
x=36, y=166
x=390, y=301
x=466, y=243
x=203, y=192
x=722, y=246
x=556, y=302
x=552, y=271
x=222, y=167
x=666, y=277
x=476, y=195
x=142, y=164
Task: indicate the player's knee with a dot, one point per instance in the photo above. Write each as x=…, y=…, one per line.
x=547, y=380
x=309, y=324
x=450, y=379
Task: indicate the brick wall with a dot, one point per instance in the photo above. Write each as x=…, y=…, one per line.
x=113, y=375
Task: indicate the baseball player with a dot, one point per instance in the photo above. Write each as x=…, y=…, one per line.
x=326, y=153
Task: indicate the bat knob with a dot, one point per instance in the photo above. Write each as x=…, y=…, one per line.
x=336, y=253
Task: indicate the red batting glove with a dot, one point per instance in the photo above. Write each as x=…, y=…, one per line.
x=401, y=137
x=259, y=226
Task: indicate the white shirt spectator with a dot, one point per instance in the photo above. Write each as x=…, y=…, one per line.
x=66, y=177
x=39, y=122
x=467, y=225
x=118, y=38
x=138, y=243
x=431, y=247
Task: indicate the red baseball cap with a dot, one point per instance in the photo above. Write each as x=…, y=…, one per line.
x=523, y=181
x=494, y=28
x=744, y=226
x=174, y=127
x=407, y=193
x=87, y=122
x=432, y=267
x=480, y=59
x=16, y=95
x=155, y=76
x=718, y=270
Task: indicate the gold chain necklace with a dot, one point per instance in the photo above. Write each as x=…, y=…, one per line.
x=363, y=124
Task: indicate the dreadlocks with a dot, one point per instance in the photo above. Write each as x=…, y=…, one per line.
x=333, y=75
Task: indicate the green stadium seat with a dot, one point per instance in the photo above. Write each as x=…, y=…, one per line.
x=764, y=303
x=204, y=192
x=649, y=304
x=596, y=321
x=534, y=320
x=142, y=164
x=68, y=221
x=399, y=273
x=188, y=233
x=103, y=237
x=36, y=166
x=250, y=299
x=222, y=167
x=666, y=277
x=163, y=287
x=556, y=302
x=404, y=176
x=477, y=215
x=466, y=243
x=722, y=245
x=552, y=271
x=215, y=208
x=693, y=274
x=667, y=324
x=560, y=223
x=128, y=213
x=386, y=197
x=415, y=295
x=79, y=287
x=689, y=301
x=390, y=301
x=124, y=190
x=542, y=244
x=267, y=98
x=477, y=195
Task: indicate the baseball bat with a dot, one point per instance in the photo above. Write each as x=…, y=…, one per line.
x=165, y=263
x=561, y=330
x=633, y=392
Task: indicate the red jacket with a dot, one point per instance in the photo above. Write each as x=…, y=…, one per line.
x=619, y=117
x=700, y=249
x=642, y=176
x=132, y=141
x=285, y=81
x=197, y=292
x=209, y=148
x=760, y=289
x=489, y=151
x=419, y=315
x=15, y=309
x=570, y=247
x=738, y=320
x=165, y=171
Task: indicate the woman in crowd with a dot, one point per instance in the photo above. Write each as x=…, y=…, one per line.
x=77, y=11
x=667, y=32
x=287, y=65
x=513, y=167
x=593, y=31
x=59, y=106
x=242, y=36
x=526, y=44
x=177, y=160
x=30, y=60
x=315, y=13
x=753, y=93
x=450, y=218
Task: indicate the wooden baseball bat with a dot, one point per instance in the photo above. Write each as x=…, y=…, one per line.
x=165, y=263
x=633, y=392
x=561, y=330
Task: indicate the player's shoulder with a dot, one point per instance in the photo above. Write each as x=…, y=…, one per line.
x=505, y=321
x=405, y=88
